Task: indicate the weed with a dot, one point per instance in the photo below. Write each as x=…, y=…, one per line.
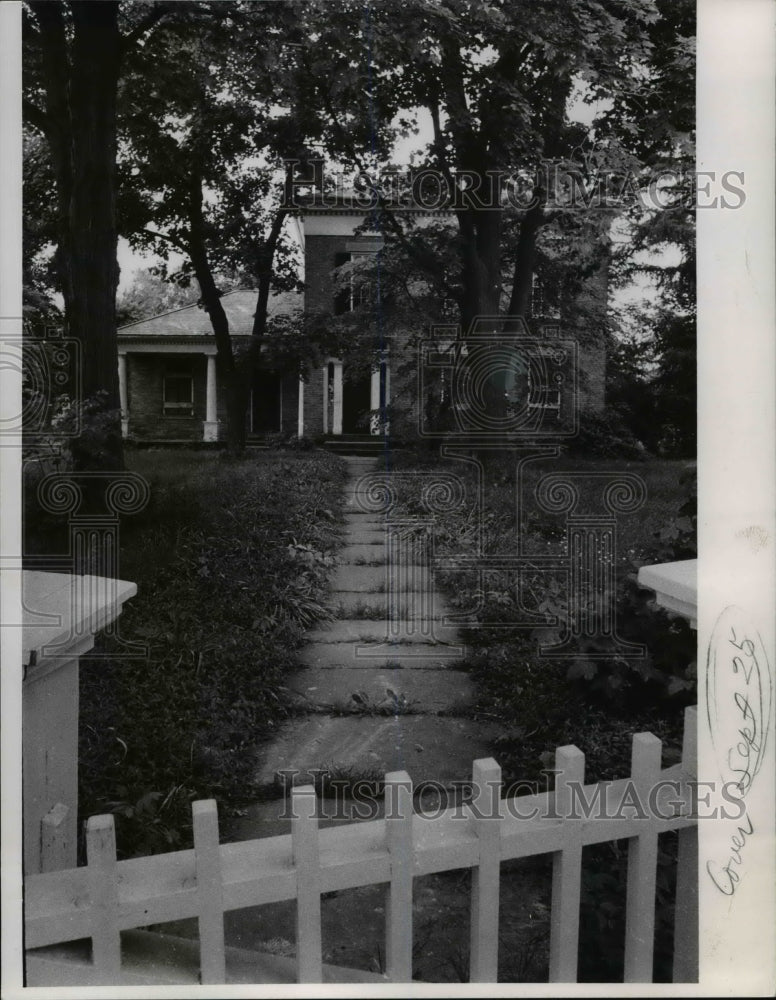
x=231, y=564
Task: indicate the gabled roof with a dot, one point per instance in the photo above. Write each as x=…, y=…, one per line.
x=193, y=321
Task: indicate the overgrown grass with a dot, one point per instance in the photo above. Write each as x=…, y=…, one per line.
x=585, y=698
x=230, y=559
x=592, y=702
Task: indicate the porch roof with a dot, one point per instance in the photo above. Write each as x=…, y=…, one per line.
x=192, y=323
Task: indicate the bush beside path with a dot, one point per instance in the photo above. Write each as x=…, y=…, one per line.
x=230, y=559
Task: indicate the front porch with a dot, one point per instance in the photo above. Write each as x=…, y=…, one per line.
x=175, y=392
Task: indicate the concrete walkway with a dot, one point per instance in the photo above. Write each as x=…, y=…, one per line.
x=382, y=687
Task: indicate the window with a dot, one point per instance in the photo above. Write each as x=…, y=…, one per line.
x=178, y=395
x=360, y=287
x=355, y=290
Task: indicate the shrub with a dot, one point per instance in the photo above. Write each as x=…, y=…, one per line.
x=605, y=435
x=231, y=563
x=552, y=701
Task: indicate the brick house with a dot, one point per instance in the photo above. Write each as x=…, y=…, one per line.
x=169, y=379
x=172, y=389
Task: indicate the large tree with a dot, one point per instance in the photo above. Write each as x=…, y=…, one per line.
x=202, y=166
x=75, y=53
x=657, y=123
x=497, y=82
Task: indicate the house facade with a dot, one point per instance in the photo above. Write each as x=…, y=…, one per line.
x=173, y=389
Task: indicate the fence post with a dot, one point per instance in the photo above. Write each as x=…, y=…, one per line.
x=485, y=816
x=54, y=843
x=104, y=899
x=304, y=845
x=685, y=968
x=207, y=850
x=642, y=866
x=398, y=911
x=566, y=871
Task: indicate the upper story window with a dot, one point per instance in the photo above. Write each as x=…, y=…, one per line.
x=178, y=395
x=355, y=290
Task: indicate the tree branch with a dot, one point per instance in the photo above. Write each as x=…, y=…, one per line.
x=266, y=259
x=145, y=25
x=163, y=236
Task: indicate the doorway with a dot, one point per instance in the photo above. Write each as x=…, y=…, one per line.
x=356, y=403
x=266, y=401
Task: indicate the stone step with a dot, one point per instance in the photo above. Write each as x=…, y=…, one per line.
x=360, y=604
x=394, y=690
x=383, y=656
x=376, y=579
x=364, y=630
x=363, y=553
x=363, y=578
x=429, y=747
x=371, y=554
x=359, y=521
x=365, y=536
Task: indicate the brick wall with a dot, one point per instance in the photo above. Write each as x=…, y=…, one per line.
x=320, y=261
x=145, y=396
x=592, y=379
x=289, y=404
x=313, y=403
x=587, y=324
x=587, y=305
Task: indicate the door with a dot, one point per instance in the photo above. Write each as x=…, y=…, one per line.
x=266, y=400
x=356, y=403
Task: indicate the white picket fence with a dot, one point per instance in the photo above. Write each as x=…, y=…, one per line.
x=108, y=897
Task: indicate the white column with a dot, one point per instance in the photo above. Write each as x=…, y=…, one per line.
x=374, y=401
x=337, y=415
x=123, y=395
x=387, y=401
x=210, y=430
x=300, y=411
x=326, y=398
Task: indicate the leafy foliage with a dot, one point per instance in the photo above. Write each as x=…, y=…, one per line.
x=231, y=561
x=586, y=699
x=149, y=295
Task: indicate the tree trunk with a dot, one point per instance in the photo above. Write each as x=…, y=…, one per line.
x=525, y=258
x=81, y=94
x=237, y=392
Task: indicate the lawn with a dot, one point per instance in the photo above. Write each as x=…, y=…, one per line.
x=589, y=699
x=230, y=559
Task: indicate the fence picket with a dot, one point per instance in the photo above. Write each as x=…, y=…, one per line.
x=398, y=911
x=566, y=871
x=207, y=849
x=642, y=866
x=685, y=968
x=104, y=896
x=483, y=950
x=306, y=857
x=68, y=905
x=53, y=839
